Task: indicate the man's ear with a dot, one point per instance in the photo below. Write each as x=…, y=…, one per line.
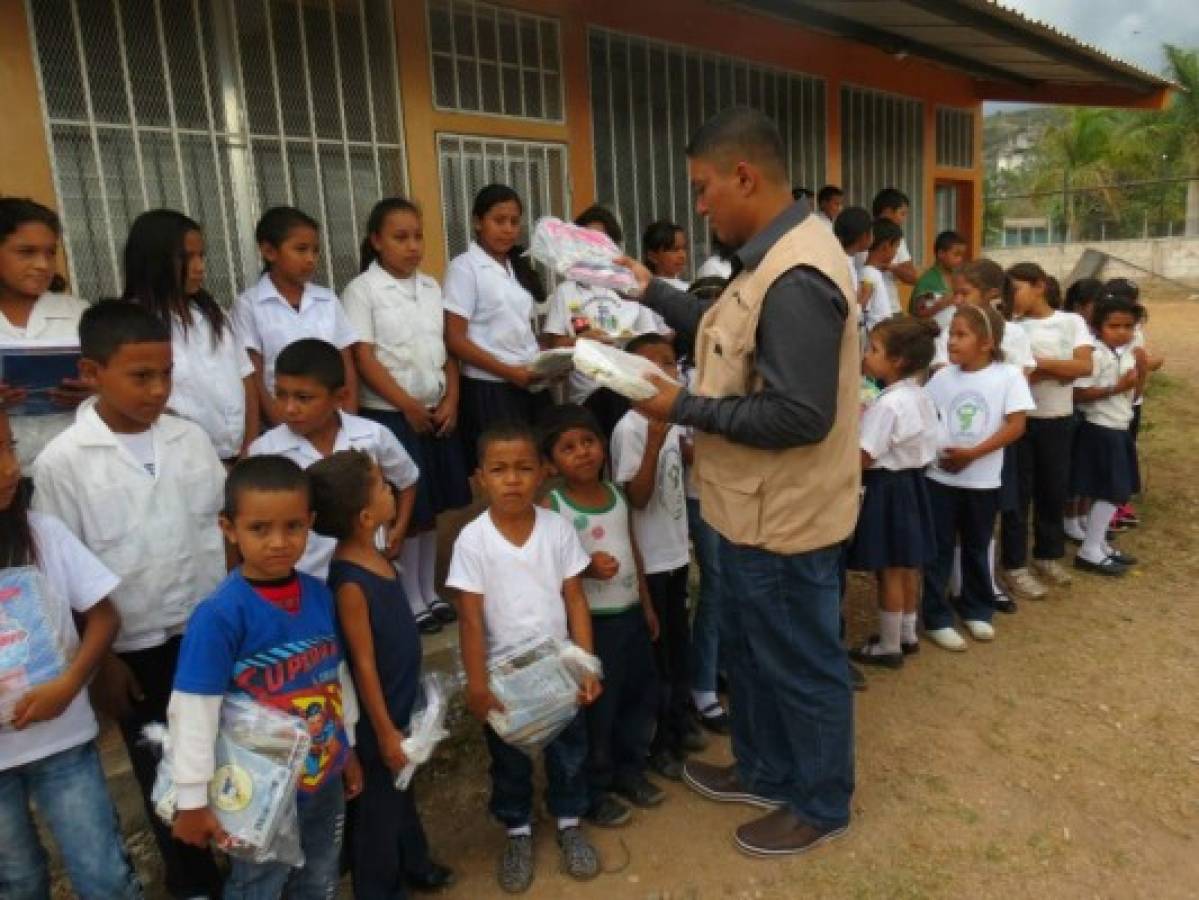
x=747, y=178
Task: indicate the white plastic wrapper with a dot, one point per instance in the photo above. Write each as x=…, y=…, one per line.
x=580, y=254
x=538, y=684
x=553, y=363
x=30, y=652
x=625, y=373
x=260, y=754
x=427, y=728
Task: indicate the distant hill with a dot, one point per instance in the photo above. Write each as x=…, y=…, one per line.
x=1001, y=128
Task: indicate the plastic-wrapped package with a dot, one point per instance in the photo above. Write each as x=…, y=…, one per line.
x=259, y=756
x=30, y=651
x=580, y=254
x=553, y=363
x=538, y=684
x=427, y=728
x=868, y=392
x=624, y=373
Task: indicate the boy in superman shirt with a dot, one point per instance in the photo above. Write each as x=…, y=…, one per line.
x=269, y=633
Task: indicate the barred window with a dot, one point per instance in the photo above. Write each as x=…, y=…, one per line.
x=648, y=97
x=882, y=145
x=495, y=61
x=955, y=137
x=218, y=109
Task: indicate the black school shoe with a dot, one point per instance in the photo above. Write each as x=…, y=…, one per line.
x=435, y=878
x=1108, y=567
x=667, y=765
x=426, y=624
x=868, y=656
x=443, y=612
x=639, y=791
x=908, y=649
x=608, y=812
x=714, y=718
x=1123, y=559
x=1004, y=604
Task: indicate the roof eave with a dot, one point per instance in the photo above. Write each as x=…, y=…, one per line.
x=1074, y=94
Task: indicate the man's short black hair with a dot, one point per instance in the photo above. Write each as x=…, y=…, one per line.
x=885, y=232
x=827, y=193
x=268, y=473
x=557, y=420
x=852, y=222
x=315, y=359
x=107, y=326
x=503, y=433
x=341, y=489
x=889, y=198
x=947, y=240
x=741, y=134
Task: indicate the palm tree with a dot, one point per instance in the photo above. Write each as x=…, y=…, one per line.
x=1076, y=156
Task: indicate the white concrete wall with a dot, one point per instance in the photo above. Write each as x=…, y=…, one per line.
x=1176, y=258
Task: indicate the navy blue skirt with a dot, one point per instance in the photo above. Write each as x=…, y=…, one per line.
x=895, y=525
x=444, y=479
x=1104, y=464
x=483, y=405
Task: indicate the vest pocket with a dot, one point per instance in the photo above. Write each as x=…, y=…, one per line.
x=732, y=504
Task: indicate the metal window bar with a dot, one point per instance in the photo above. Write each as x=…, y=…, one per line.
x=955, y=137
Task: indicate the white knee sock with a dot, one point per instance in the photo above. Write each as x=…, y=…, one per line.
x=955, y=573
x=889, y=626
x=1098, y=520
x=410, y=575
x=428, y=564
x=907, y=632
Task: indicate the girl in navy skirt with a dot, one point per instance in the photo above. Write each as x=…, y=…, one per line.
x=409, y=385
x=894, y=537
x=1104, y=465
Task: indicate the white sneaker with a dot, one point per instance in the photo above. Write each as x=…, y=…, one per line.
x=1074, y=530
x=1022, y=584
x=946, y=639
x=980, y=631
x=1052, y=571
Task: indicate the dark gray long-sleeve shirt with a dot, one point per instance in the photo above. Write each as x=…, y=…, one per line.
x=798, y=352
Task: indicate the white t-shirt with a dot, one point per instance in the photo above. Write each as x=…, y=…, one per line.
x=899, y=429
x=878, y=307
x=207, y=381
x=521, y=586
x=267, y=323
x=1056, y=336
x=661, y=528
x=499, y=312
x=140, y=445
x=1110, y=366
x=715, y=267
x=73, y=580
x=1015, y=348
x=855, y=277
x=902, y=255
x=405, y=321
x=972, y=406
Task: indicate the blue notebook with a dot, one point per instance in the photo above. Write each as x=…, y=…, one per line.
x=39, y=369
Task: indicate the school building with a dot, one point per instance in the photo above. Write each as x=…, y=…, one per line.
x=223, y=108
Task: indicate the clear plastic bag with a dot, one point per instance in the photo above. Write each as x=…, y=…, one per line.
x=259, y=756
x=538, y=684
x=624, y=373
x=553, y=363
x=30, y=650
x=427, y=728
x=580, y=254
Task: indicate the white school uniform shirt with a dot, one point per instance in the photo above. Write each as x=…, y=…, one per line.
x=72, y=580
x=819, y=215
x=661, y=528
x=355, y=433
x=267, y=323
x=404, y=319
x=498, y=311
x=891, y=283
x=207, y=381
x=521, y=586
x=855, y=277
x=1109, y=367
x=1015, y=348
x=1056, y=336
x=715, y=267
x=54, y=317
x=972, y=406
x=878, y=307
x=899, y=429
x=158, y=532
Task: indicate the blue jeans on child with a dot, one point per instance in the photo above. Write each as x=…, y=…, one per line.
x=566, y=792
x=322, y=819
x=705, y=627
x=72, y=798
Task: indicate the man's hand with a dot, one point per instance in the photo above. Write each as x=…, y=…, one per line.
x=589, y=690
x=641, y=274
x=115, y=689
x=45, y=702
x=604, y=566
x=392, y=750
x=199, y=827
x=954, y=459
x=351, y=776
x=658, y=407
x=480, y=701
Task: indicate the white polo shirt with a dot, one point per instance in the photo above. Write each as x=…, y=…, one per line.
x=355, y=433
x=1056, y=336
x=54, y=317
x=266, y=322
x=403, y=318
x=899, y=429
x=157, y=532
x=207, y=381
x=1109, y=367
x=499, y=312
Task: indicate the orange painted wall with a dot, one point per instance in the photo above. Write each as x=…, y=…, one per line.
x=24, y=157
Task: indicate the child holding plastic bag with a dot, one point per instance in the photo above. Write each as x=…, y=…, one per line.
x=268, y=633
x=517, y=568
x=352, y=501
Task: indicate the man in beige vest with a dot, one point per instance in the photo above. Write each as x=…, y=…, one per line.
x=775, y=410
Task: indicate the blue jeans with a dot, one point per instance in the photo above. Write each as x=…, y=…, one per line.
x=791, y=709
x=705, y=627
x=73, y=801
x=566, y=792
x=965, y=516
x=322, y=820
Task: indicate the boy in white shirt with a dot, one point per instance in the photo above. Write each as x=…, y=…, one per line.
x=894, y=205
x=877, y=307
x=647, y=461
x=310, y=389
x=142, y=491
x=517, y=568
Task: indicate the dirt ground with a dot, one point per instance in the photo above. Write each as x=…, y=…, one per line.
x=1060, y=761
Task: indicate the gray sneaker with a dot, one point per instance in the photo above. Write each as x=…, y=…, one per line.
x=579, y=858
x=516, y=865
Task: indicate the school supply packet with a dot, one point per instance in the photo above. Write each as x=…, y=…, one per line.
x=39, y=367
x=579, y=254
x=555, y=363
x=427, y=727
x=30, y=652
x=625, y=373
x=259, y=756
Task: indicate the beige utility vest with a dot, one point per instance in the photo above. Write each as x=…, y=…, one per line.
x=793, y=500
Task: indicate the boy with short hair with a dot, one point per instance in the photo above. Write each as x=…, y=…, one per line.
x=267, y=633
x=887, y=239
x=141, y=490
x=830, y=201
x=620, y=724
x=854, y=229
x=647, y=461
x=517, y=568
x=310, y=390
x=893, y=204
x=933, y=294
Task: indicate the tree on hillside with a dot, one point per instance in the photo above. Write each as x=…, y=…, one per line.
x=1181, y=124
x=1076, y=156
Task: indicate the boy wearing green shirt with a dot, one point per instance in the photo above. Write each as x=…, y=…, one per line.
x=950, y=250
